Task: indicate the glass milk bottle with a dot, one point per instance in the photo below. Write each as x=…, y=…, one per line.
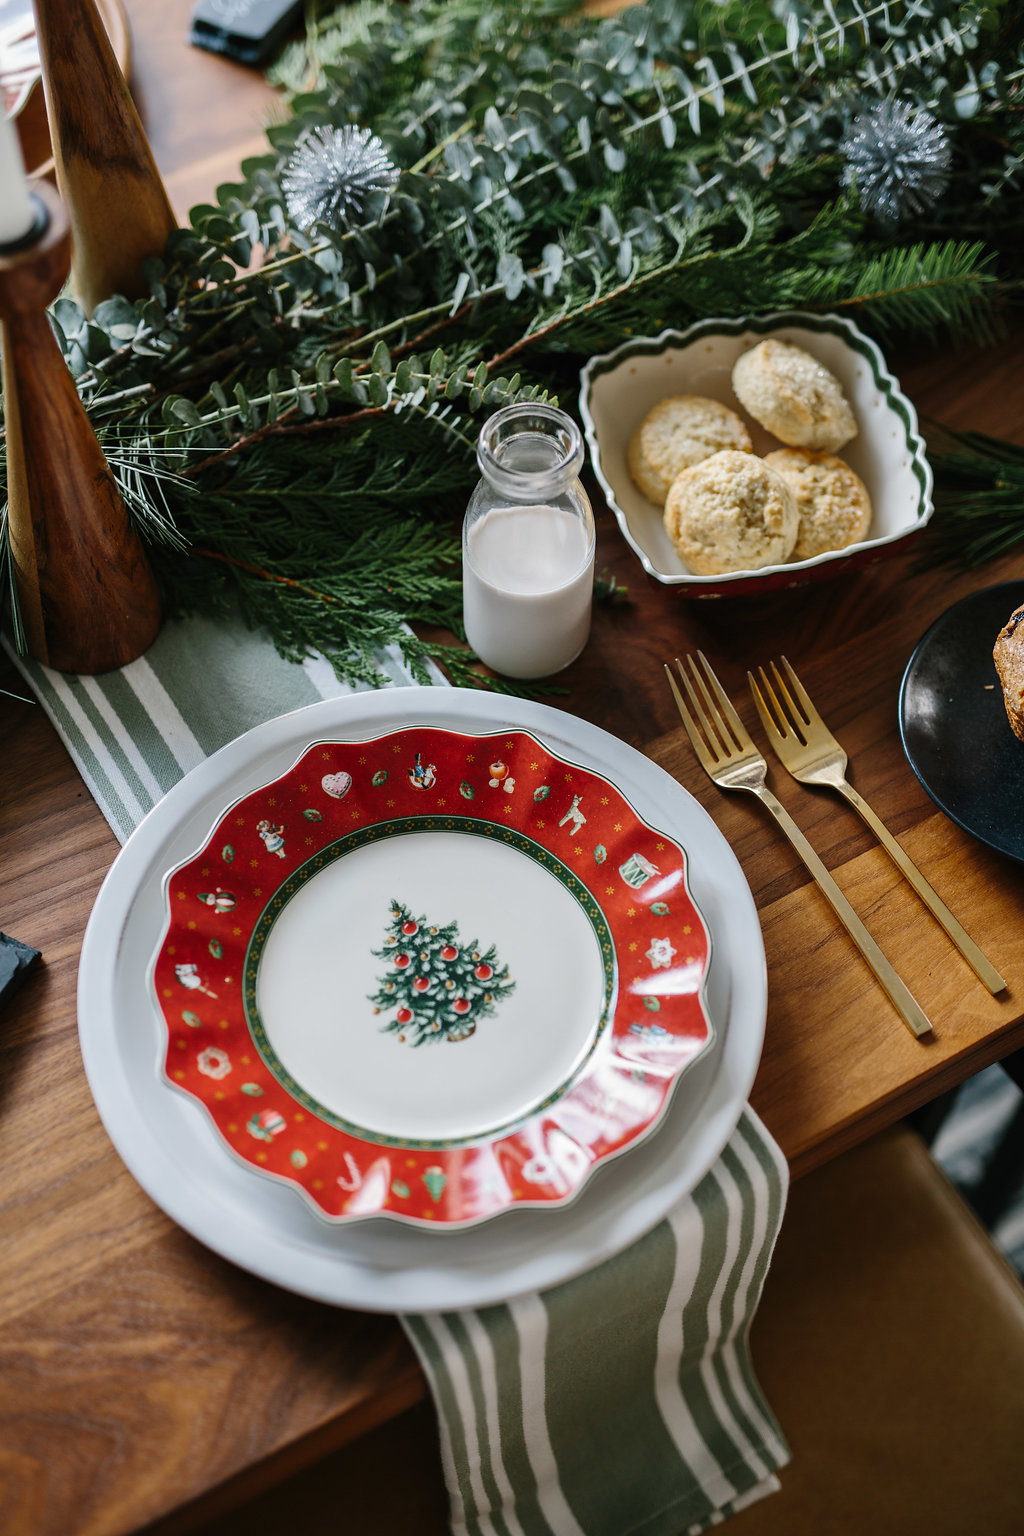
x=528, y=544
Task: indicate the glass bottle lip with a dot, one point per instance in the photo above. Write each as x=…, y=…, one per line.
x=530, y=450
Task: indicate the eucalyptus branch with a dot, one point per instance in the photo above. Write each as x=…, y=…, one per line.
x=688, y=104
x=440, y=147
x=309, y=421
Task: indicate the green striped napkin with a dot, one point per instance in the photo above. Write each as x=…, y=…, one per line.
x=621, y=1403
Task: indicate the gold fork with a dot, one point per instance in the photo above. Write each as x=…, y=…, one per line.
x=731, y=760
x=806, y=747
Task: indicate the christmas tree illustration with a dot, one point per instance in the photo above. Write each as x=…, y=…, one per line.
x=435, y=987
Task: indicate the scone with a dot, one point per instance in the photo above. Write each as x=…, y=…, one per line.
x=731, y=512
x=1008, y=655
x=794, y=396
x=833, y=502
x=679, y=431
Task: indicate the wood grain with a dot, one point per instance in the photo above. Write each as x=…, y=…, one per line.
x=30, y=121
x=203, y=113
x=137, y=1370
x=106, y=172
x=87, y=595
x=144, y=1380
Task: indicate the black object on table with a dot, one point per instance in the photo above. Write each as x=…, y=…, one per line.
x=953, y=721
x=16, y=960
x=248, y=31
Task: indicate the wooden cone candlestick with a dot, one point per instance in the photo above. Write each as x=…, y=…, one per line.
x=86, y=592
x=119, y=210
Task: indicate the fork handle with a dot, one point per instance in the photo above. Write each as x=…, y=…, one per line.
x=982, y=966
x=906, y=1004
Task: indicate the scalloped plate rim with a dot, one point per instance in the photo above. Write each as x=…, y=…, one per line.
x=165, y=1142
x=395, y=1217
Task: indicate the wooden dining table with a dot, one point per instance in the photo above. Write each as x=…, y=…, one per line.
x=144, y=1379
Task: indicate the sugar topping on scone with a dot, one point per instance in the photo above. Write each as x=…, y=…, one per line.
x=678, y=432
x=731, y=512
x=793, y=396
x=832, y=500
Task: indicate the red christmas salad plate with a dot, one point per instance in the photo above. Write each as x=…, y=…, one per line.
x=432, y=976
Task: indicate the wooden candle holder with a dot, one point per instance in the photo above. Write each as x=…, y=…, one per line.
x=119, y=210
x=86, y=592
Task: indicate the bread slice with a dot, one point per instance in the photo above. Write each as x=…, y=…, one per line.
x=1008, y=655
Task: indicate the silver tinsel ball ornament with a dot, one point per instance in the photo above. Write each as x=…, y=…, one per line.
x=898, y=158
x=331, y=173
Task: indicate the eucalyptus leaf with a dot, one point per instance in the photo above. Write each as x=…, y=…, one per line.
x=511, y=274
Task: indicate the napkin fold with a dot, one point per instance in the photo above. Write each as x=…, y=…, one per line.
x=620, y=1403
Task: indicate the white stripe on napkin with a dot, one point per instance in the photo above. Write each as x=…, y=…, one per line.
x=519, y=1464
x=92, y=751
x=672, y=1402
x=531, y=1319
x=766, y=1227
x=110, y=717
x=480, y=1340
x=716, y=1351
x=473, y=1498
x=164, y=713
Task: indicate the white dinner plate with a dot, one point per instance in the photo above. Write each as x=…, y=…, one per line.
x=171, y=1148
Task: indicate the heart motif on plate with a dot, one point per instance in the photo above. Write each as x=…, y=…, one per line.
x=337, y=785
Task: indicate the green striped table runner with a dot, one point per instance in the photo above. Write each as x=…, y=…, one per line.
x=621, y=1403
x=135, y=732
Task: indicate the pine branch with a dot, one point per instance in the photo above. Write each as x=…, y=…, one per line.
x=979, y=500
x=934, y=290
x=301, y=405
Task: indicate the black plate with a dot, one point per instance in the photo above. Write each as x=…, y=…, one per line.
x=953, y=721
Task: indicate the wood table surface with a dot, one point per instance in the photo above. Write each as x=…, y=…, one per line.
x=143, y=1380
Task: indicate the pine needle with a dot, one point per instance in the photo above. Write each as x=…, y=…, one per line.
x=979, y=501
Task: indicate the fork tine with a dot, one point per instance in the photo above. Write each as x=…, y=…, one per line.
x=772, y=718
x=780, y=716
x=809, y=711
x=707, y=758
x=725, y=704
x=706, y=710
x=704, y=716
x=795, y=720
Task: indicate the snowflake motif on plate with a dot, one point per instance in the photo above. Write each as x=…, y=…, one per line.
x=661, y=954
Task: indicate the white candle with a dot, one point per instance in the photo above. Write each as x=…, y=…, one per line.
x=17, y=215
